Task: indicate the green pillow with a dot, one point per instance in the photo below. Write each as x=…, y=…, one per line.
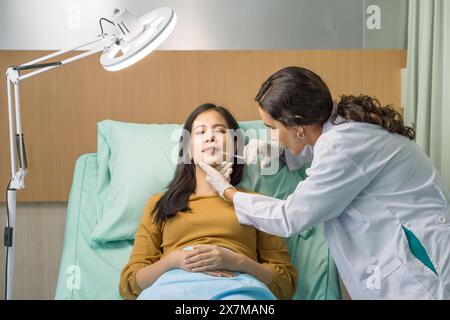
x=135, y=161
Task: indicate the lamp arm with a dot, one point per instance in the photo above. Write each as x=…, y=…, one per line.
x=103, y=41
x=14, y=77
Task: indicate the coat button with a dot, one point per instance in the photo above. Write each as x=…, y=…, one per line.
x=442, y=220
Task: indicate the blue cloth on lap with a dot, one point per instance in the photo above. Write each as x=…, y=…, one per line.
x=178, y=284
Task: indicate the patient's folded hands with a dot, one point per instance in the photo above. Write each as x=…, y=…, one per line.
x=178, y=260
x=205, y=258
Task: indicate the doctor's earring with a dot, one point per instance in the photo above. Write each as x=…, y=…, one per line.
x=301, y=134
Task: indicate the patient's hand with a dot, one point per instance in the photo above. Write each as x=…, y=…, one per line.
x=177, y=260
x=212, y=258
x=220, y=273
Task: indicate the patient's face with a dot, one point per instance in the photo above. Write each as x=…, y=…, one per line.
x=209, y=138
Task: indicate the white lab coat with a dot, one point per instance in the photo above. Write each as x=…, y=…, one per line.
x=364, y=184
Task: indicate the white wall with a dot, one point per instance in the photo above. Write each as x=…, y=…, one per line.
x=211, y=24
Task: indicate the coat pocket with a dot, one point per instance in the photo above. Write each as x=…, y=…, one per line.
x=394, y=280
x=351, y=219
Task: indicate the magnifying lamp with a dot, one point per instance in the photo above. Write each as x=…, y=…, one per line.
x=139, y=37
x=132, y=40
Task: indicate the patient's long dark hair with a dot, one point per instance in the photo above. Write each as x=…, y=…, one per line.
x=176, y=198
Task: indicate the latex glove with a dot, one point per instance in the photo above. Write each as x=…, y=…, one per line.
x=225, y=168
x=215, y=179
x=267, y=150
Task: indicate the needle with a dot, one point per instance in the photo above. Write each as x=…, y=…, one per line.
x=234, y=155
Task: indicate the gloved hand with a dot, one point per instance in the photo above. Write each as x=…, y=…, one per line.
x=215, y=178
x=267, y=150
x=225, y=168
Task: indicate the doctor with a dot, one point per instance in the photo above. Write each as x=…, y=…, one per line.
x=384, y=209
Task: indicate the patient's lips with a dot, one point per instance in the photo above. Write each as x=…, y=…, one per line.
x=212, y=154
x=210, y=150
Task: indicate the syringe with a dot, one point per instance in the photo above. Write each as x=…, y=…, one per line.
x=234, y=155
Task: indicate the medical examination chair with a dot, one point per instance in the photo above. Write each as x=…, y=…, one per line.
x=110, y=189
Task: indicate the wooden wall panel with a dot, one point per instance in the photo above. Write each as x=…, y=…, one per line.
x=60, y=108
x=38, y=248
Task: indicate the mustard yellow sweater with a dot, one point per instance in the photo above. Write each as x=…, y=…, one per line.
x=211, y=221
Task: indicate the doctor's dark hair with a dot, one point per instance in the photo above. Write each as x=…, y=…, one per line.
x=183, y=184
x=296, y=96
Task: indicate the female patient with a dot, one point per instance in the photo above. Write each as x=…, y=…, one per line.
x=189, y=244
